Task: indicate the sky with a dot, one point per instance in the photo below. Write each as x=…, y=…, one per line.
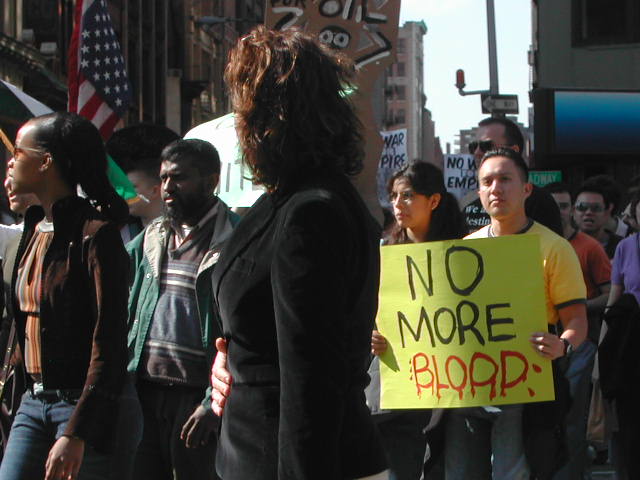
x=457, y=38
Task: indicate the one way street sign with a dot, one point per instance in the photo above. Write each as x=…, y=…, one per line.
x=499, y=103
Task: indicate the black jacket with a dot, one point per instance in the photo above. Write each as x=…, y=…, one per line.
x=83, y=314
x=297, y=287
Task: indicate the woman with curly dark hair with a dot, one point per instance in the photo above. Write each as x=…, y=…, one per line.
x=297, y=282
x=69, y=303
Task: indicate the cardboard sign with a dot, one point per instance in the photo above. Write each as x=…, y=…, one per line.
x=393, y=158
x=235, y=187
x=458, y=316
x=460, y=174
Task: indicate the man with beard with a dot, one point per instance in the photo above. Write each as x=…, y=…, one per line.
x=172, y=324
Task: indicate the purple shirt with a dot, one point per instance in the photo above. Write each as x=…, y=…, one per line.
x=626, y=265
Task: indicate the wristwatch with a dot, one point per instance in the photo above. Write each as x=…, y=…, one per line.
x=568, y=348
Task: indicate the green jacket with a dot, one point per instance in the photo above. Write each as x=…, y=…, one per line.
x=146, y=252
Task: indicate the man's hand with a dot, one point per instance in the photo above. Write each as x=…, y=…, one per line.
x=378, y=343
x=220, y=378
x=65, y=458
x=198, y=429
x=547, y=345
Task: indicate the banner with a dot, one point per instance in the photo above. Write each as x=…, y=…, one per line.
x=393, y=158
x=460, y=174
x=458, y=316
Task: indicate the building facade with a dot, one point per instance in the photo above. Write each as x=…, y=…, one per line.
x=585, y=71
x=405, y=101
x=175, y=52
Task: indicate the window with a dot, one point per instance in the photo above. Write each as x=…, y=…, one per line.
x=605, y=22
x=400, y=69
x=400, y=116
x=400, y=92
x=402, y=45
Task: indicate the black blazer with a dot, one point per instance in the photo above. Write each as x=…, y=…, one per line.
x=297, y=287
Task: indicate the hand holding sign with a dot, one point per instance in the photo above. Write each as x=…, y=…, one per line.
x=458, y=317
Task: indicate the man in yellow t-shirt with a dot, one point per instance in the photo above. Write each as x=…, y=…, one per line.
x=491, y=437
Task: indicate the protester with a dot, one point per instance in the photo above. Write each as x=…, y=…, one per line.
x=591, y=212
x=13, y=382
x=613, y=192
x=424, y=211
x=73, y=256
x=172, y=319
x=137, y=149
x=495, y=132
x=297, y=282
x=596, y=272
x=487, y=442
x=624, y=415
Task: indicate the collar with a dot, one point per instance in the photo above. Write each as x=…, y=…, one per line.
x=184, y=232
x=525, y=229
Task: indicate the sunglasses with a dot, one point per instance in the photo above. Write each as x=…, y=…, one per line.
x=484, y=146
x=17, y=150
x=594, y=207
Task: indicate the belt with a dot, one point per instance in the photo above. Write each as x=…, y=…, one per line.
x=52, y=396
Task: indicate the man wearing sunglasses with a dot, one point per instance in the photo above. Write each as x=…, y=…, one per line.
x=591, y=212
x=496, y=133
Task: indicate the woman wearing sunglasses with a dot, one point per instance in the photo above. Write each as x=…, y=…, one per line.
x=424, y=211
x=69, y=303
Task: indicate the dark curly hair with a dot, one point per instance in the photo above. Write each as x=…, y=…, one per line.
x=447, y=222
x=293, y=116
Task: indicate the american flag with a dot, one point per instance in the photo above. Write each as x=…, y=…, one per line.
x=98, y=85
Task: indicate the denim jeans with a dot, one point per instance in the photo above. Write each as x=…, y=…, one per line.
x=404, y=441
x=38, y=424
x=579, y=376
x=481, y=444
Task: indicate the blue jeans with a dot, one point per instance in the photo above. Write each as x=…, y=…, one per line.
x=38, y=424
x=480, y=445
x=579, y=376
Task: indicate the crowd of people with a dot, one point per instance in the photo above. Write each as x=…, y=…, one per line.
x=170, y=339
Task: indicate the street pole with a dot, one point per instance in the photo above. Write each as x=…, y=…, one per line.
x=493, y=54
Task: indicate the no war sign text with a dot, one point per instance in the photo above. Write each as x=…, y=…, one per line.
x=458, y=316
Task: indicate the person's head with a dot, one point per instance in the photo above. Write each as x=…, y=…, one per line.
x=494, y=133
x=145, y=178
x=137, y=150
x=19, y=202
x=633, y=218
x=562, y=195
x=503, y=184
x=293, y=116
x=591, y=210
x=422, y=205
x=142, y=143
x=189, y=173
x=64, y=150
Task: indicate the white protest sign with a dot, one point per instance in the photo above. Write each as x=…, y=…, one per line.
x=393, y=158
x=460, y=174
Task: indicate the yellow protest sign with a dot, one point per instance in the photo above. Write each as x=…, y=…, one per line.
x=458, y=316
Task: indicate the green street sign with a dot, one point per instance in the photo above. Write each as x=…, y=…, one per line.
x=540, y=178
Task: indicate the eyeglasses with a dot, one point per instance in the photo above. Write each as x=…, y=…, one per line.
x=594, y=207
x=405, y=197
x=564, y=205
x=17, y=150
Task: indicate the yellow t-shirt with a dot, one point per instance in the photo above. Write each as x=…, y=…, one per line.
x=563, y=279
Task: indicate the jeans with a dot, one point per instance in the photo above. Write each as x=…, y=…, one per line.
x=38, y=424
x=128, y=433
x=404, y=441
x=481, y=444
x=579, y=376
